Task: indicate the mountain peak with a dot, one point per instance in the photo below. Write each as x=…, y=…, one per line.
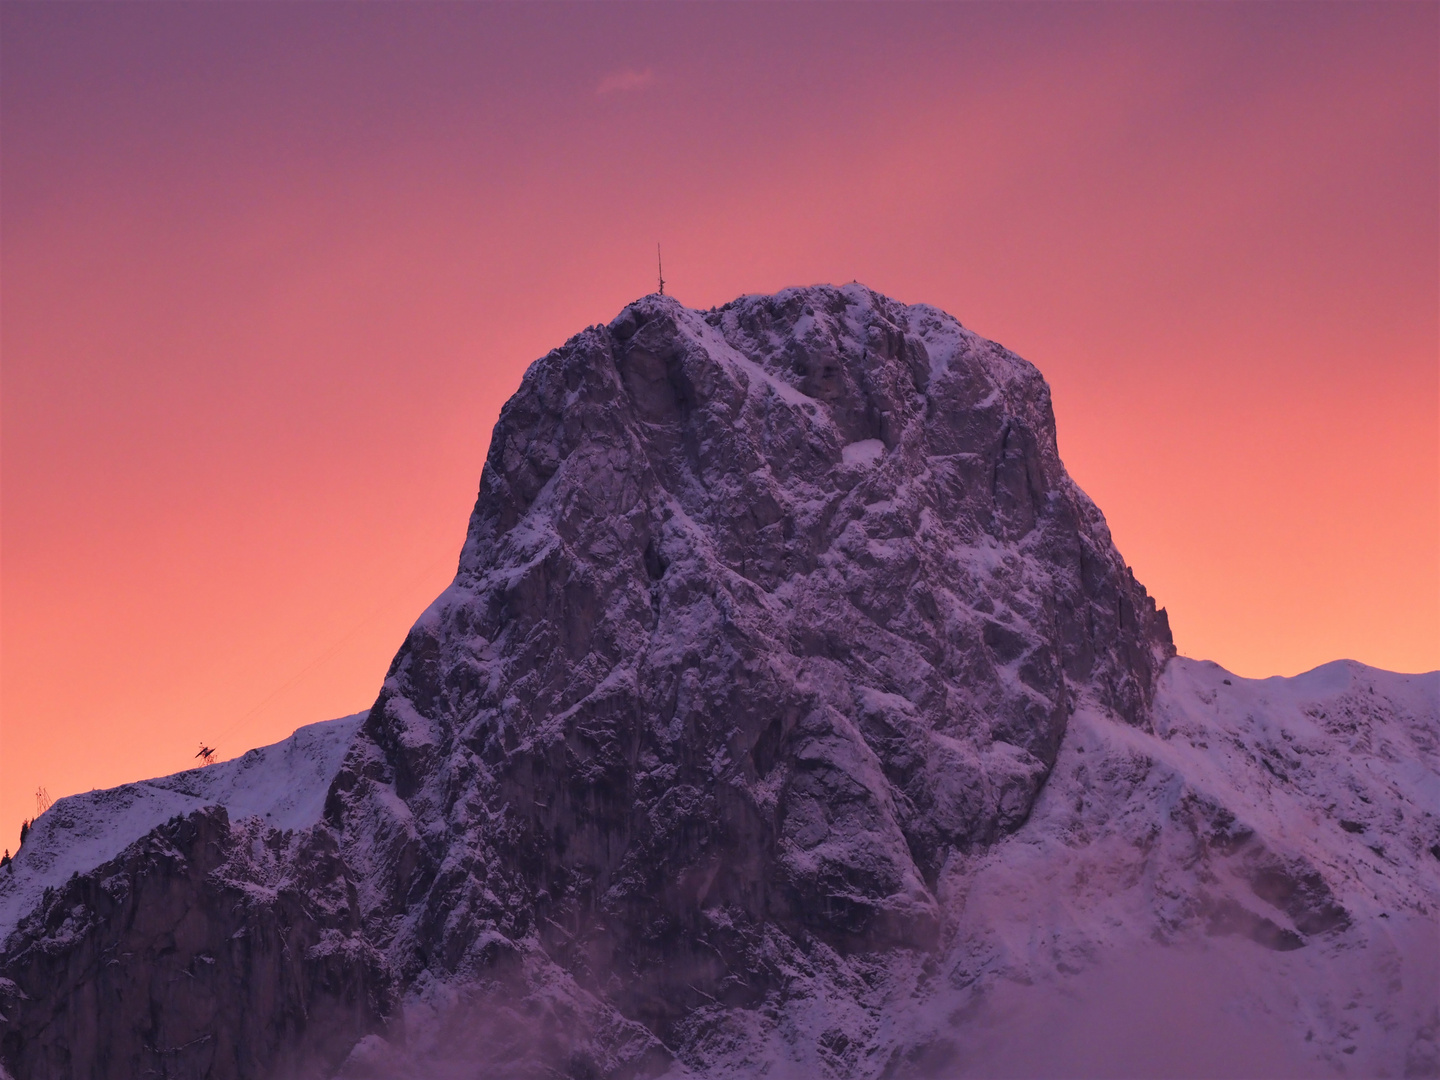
x=790, y=702
x=802, y=551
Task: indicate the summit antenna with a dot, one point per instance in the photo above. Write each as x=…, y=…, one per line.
x=660, y=268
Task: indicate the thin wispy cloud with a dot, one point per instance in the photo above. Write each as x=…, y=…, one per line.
x=618, y=82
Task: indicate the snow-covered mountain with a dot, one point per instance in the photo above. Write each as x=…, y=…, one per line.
x=791, y=713
x=283, y=786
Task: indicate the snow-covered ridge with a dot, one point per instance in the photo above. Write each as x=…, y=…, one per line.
x=1340, y=764
x=1243, y=782
x=1258, y=877
x=283, y=784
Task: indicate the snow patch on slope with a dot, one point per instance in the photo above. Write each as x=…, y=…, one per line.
x=863, y=452
x=284, y=785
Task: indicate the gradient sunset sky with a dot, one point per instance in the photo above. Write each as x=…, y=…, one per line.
x=268, y=272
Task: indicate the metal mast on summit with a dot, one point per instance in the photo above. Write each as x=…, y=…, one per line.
x=660, y=268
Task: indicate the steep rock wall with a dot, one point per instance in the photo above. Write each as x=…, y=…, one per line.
x=762, y=613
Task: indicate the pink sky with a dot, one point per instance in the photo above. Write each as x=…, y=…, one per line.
x=267, y=273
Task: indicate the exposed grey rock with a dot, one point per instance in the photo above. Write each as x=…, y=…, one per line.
x=762, y=612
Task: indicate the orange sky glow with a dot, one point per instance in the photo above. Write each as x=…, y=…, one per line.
x=268, y=272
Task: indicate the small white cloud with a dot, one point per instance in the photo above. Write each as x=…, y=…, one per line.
x=621, y=81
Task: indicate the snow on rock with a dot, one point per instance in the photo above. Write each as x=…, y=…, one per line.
x=863, y=452
x=284, y=785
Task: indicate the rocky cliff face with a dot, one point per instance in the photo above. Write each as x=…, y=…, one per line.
x=203, y=950
x=790, y=704
x=763, y=614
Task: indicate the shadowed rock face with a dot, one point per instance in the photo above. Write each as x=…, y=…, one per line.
x=203, y=951
x=762, y=613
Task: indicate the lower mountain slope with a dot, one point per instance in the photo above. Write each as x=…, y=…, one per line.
x=1250, y=888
